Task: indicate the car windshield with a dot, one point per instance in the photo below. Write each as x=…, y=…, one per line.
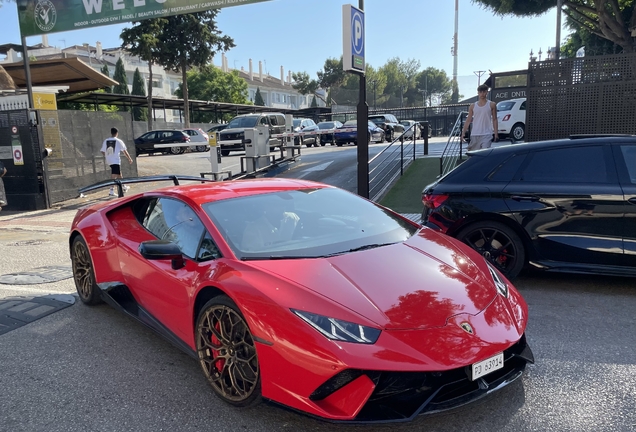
x=505, y=106
x=350, y=123
x=296, y=122
x=305, y=223
x=329, y=125
x=377, y=120
x=405, y=123
x=243, y=122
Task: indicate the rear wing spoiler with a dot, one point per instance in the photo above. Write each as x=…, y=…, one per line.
x=147, y=179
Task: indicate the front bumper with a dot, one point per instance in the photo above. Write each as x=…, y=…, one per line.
x=401, y=396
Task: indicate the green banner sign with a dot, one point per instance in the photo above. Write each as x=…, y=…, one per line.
x=51, y=16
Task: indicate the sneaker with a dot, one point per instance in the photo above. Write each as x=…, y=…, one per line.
x=112, y=193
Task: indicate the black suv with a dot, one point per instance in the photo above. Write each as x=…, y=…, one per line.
x=567, y=205
x=231, y=138
x=389, y=123
x=162, y=141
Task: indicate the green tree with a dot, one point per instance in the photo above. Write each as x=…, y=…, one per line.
x=106, y=72
x=304, y=84
x=435, y=83
x=190, y=40
x=139, y=89
x=332, y=74
x=142, y=40
x=613, y=20
x=258, y=97
x=210, y=83
x=120, y=77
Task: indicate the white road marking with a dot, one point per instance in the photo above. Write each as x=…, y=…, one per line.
x=320, y=167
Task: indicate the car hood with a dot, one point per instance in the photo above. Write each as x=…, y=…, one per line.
x=418, y=284
x=233, y=130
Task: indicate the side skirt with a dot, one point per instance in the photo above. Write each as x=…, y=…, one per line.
x=117, y=295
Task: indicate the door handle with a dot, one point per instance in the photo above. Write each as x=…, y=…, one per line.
x=530, y=198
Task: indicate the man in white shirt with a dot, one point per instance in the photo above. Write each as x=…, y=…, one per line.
x=483, y=115
x=111, y=148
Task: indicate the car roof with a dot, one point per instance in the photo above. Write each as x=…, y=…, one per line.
x=574, y=140
x=513, y=100
x=209, y=192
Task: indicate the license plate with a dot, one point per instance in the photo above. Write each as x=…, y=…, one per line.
x=484, y=367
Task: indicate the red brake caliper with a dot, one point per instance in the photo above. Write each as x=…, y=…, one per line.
x=220, y=363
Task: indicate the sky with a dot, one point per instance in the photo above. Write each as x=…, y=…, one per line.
x=301, y=34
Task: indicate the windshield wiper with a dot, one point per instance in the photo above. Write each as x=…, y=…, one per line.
x=361, y=248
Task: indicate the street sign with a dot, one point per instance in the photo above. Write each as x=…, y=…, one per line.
x=17, y=155
x=41, y=16
x=353, y=39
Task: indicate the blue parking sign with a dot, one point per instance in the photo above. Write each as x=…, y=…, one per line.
x=353, y=38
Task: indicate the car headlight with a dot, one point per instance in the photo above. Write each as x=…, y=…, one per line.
x=340, y=330
x=502, y=287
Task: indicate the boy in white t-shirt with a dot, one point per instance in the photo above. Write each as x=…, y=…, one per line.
x=111, y=148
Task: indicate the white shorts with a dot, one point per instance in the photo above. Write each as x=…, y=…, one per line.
x=479, y=142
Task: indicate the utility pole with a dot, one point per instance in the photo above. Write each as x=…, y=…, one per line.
x=455, y=43
x=479, y=74
x=557, y=47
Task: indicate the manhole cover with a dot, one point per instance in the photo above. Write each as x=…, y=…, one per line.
x=38, y=276
x=18, y=311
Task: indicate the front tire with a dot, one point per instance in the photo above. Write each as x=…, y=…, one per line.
x=202, y=148
x=498, y=243
x=389, y=135
x=227, y=352
x=84, y=273
x=177, y=150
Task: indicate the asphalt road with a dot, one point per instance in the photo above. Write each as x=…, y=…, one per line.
x=93, y=369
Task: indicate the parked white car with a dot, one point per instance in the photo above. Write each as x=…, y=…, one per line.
x=199, y=138
x=414, y=128
x=511, y=116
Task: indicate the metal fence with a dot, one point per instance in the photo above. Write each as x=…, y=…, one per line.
x=440, y=118
x=586, y=95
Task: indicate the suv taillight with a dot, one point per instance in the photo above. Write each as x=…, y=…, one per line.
x=432, y=201
x=185, y=138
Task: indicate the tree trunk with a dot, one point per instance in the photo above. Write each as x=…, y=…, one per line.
x=6, y=82
x=184, y=87
x=150, y=112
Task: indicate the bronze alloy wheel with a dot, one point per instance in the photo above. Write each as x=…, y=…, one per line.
x=227, y=353
x=83, y=273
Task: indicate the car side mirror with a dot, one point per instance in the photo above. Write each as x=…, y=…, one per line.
x=162, y=250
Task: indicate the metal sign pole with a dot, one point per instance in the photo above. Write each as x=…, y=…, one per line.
x=27, y=72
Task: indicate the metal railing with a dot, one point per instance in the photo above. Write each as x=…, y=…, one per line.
x=453, y=151
x=390, y=163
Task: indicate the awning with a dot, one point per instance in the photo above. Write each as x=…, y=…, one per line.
x=71, y=72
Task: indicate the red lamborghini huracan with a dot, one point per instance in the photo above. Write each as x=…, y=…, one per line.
x=306, y=295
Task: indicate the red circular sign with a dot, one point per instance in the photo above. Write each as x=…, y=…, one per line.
x=17, y=154
x=14, y=129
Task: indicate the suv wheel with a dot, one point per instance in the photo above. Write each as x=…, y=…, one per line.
x=498, y=243
x=389, y=135
x=177, y=150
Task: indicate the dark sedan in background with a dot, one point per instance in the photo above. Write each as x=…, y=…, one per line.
x=162, y=141
x=345, y=134
x=328, y=138
x=566, y=205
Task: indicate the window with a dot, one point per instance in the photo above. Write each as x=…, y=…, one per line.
x=585, y=164
x=523, y=106
x=149, y=136
x=173, y=220
x=506, y=171
x=629, y=153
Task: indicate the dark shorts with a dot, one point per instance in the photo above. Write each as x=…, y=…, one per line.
x=115, y=169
